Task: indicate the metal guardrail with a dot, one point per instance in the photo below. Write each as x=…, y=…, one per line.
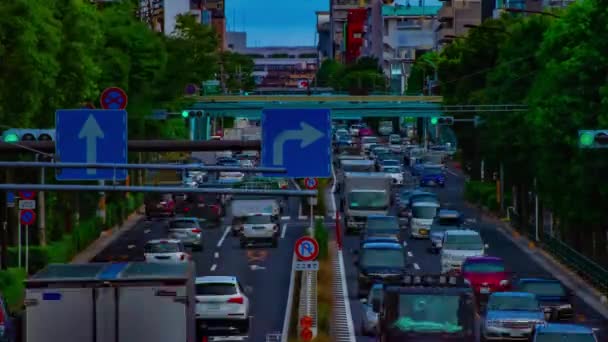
x=308, y=300
x=582, y=265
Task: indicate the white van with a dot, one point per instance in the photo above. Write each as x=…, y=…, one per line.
x=422, y=217
x=458, y=245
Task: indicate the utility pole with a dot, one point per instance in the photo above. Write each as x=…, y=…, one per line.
x=41, y=208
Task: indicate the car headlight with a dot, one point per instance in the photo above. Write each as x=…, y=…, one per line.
x=504, y=282
x=565, y=306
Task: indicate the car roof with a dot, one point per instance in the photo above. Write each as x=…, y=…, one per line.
x=482, y=259
x=422, y=193
x=425, y=204
x=195, y=219
x=215, y=279
x=382, y=245
x=158, y=241
x=448, y=212
x=381, y=217
x=539, y=280
x=563, y=328
x=461, y=232
x=513, y=294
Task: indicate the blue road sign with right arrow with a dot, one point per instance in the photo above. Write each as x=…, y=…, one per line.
x=298, y=140
x=91, y=136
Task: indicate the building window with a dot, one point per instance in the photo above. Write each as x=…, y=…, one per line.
x=386, y=27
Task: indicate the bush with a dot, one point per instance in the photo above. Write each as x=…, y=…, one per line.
x=12, y=287
x=322, y=237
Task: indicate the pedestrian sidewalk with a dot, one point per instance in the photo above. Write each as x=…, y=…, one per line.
x=107, y=237
x=587, y=292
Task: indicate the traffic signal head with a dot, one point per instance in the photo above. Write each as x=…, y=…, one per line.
x=434, y=121
x=593, y=138
x=25, y=134
x=442, y=120
x=187, y=114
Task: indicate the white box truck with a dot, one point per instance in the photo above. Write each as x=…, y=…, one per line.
x=365, y=193
x=106, y=302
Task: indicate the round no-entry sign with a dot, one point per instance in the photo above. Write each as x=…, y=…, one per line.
x=27, y=217
x=27, y=195
x=306, y=249
x=114, y=98
x=311, y=183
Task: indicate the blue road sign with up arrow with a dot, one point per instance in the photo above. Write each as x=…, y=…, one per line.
x=298, y=140
x=91, y=136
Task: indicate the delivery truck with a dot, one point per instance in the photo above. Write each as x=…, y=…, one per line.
x=111, y=302
x=365, y=193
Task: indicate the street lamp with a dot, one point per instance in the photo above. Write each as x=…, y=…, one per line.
x=517, y=10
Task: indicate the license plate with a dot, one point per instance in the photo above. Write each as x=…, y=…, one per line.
x=213, y=306
x=484, y=290
x=259, y=227
x=201, y=205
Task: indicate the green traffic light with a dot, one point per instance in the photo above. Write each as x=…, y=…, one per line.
x=434, y=121
x=185, y=114
x=11, y=138
x=586, y=139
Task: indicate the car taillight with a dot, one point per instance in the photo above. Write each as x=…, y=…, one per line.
x=196, y=230
x=236, y=300
x=1, y=317
x=186, y=209
x=276, y=228
x=215, y=208
x=182, y=257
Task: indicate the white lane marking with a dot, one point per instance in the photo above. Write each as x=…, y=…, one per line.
x=213, y=267
x=302, y=217
x=416, y=266
x=409, y=254
x=404, y=244
x=256, y=267
x=285, y=217
x=226, y=231
x=452, y=173
x=300, y=210
x=146, y=231
x=216, y=255
x=284, y=230
x=333, y=190
x=345, y=299
x=131, y=246
x=287, y=317
x=293, y=181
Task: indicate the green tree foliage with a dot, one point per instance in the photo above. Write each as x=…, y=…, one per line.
x=359, y=78
x=558, y=67
x=328, y=69
x=238, y=70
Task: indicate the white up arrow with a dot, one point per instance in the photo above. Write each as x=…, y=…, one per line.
x=91, y=132
x=306, y=134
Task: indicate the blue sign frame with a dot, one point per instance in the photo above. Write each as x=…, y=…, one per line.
x=91, y=136
x=298, y=140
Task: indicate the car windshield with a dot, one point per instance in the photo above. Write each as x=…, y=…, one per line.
x=513, y=303
x=433, y=159
x=183, y=224
x=429, y=313
x=484, y=267
x=258, y=219
x=392, y=169
x=564, y=337
x=553, y=289
x=463, y=242
x=391, y=163
x=423, y=198
x=382, y=257
x=434, y=170
x=162, y=247
x=368, y=200
x=370, y=140
x=367, y=167
x=421, y=212
x=435, y=228
x=449, y=221
x=215, y=289
x=382, y=223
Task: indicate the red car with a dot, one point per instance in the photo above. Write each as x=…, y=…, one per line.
x=365, y=132
x=486, y=275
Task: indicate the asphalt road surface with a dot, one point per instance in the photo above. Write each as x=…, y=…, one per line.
x=265, y=271
x=423, y=262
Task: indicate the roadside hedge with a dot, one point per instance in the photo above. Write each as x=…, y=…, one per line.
x=11, y=283
x=322, y=236
x=320, y=208
x=484, y=194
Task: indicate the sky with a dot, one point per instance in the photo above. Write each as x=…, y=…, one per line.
x=280, y=22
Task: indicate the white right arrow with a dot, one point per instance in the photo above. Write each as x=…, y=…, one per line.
x=306, y=134
x=91, y=132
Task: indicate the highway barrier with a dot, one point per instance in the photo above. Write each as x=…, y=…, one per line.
x=582, y=265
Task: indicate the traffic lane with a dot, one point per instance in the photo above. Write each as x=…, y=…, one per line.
x=129, y=245
x=520, y=262
x=265, y=272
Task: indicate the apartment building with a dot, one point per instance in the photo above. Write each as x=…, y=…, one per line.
x=324, y=35
x=397, y=35
x=456, y=17
x=339, y=16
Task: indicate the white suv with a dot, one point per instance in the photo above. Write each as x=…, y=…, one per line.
x=260, y=228
x=221, y=305
x=169, y=251
x=457, y=245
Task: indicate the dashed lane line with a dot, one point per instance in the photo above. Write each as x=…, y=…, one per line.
x=216, y=255
x=416, y=266
x=404, y=244
x=131, y=246
x=213, y=267
x=409, y=254
x=284, y=230
x=146, y=231
x=285, y=217
x=452, y=173
x=226, y=231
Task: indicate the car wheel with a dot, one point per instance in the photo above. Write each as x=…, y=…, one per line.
x=244, y=329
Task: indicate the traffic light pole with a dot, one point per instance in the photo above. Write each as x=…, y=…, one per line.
x=41, y=207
